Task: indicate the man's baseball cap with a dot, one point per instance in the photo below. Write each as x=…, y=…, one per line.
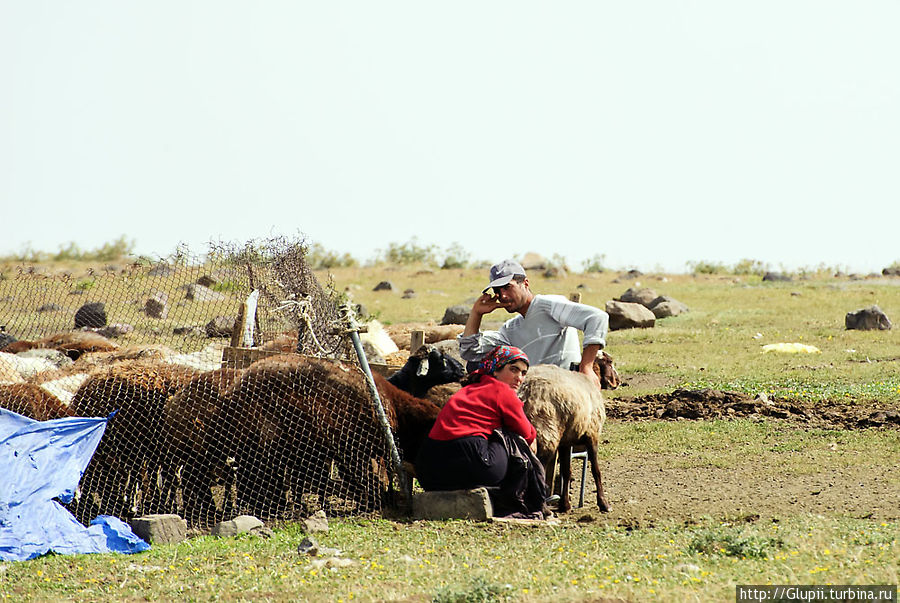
x=504, y=272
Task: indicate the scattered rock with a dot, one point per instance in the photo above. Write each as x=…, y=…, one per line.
x=533, y=261
x=160, y=529
x=161, y=270
x=317, y=522
x=308, y=547
x=220, y=326
x=193, y=331
x=199, y=293
x=643, y=296
x=776, y=276
x=663, y=307
x=555, y=272
x=867, y=319
x=117, y=329
x=384, y=286
x=49, y=308
x=456, y=315
x=239, y=525
x=207, y=281
x=157, y=305
x=891, y=271
x=624, y=315
x=409, y=294
x=91, y=315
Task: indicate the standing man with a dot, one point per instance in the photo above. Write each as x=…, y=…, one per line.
x=545, y=328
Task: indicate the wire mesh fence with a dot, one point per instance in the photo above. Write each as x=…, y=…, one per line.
x=220, y=407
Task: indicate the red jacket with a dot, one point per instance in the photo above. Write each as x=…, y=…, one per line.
x=479, y=409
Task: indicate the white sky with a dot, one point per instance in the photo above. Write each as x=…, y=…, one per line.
x=653, y=133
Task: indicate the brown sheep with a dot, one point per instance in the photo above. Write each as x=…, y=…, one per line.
x=291, y=421
x=188, y=417
x=32, y=401
x=127, y=460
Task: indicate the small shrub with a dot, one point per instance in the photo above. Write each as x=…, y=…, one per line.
x=732, y=544
x=746, y=266
x=479, y=591
x=595, y=263
x=84, y=285
x=320, y=258
x=408, y=253
x=704, y=267
x=456, y=257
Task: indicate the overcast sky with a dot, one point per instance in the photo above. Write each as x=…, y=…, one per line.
x=653, y=133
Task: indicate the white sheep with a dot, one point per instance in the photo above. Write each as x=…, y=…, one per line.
x=566, y=409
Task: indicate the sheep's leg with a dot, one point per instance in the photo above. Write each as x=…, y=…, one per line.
x=565, y=472
x=549, y=468
x=598, y=480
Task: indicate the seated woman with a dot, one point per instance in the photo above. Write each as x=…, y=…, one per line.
x=482, y=438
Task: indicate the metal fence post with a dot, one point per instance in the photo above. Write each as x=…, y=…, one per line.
x=353, y=331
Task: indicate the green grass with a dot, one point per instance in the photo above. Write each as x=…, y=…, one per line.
x=464, y=561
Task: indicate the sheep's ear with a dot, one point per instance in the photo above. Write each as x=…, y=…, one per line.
x=423, y=367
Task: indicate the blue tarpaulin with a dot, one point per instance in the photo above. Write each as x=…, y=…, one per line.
x=40, y=461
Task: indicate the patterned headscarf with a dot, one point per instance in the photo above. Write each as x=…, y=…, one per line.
x=499, y=357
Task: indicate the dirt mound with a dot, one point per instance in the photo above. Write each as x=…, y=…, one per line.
x=705, y=404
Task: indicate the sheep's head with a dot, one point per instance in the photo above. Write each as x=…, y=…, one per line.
x=426, y=367
x=606, y=371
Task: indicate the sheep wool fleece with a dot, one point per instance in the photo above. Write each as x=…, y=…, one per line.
x=547, y=333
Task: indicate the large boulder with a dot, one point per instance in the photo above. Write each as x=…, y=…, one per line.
x=664, y=307
x=625, y=315
x=534, y=261
x=456, y=315
x=91, y=315
x=867, y=319
x=643, y=296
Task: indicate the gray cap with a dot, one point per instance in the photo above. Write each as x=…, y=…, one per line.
x=504, y=272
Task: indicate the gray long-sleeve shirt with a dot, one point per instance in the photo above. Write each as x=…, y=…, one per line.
x=547, y=333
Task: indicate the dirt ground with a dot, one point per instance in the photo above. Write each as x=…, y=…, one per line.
x=646, y=489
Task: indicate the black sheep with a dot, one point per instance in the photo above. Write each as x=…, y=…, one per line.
x=426, y=367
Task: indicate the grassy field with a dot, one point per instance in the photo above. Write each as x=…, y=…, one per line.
x=698, y=506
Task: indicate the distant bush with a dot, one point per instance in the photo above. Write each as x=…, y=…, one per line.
x=595, y=263
x=455, y=257
x=408, y=253
x=750, y=267
x=704, y=267
x=320, y=258
x=115, y=250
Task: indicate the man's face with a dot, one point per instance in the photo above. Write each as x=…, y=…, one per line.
x=512, y=295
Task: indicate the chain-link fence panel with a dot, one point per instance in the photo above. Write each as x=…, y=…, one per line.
x=278, y=425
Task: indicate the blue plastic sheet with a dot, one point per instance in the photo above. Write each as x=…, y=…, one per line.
x=40, y=461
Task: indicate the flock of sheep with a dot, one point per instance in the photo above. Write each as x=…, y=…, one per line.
x=281, y=438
